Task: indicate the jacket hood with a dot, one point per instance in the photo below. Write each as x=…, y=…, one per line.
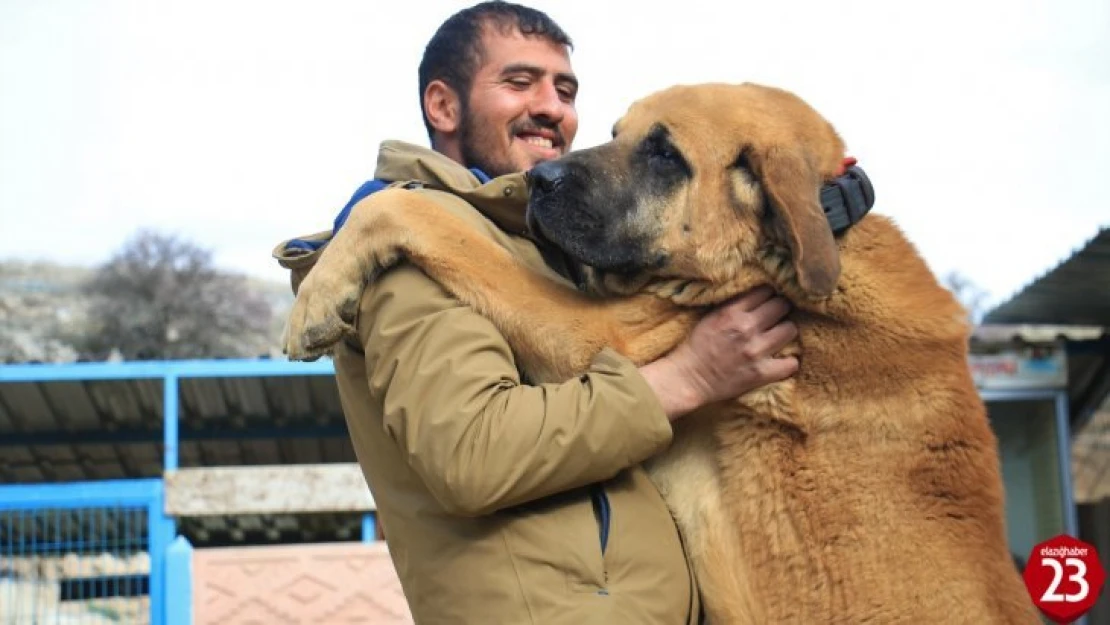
x=502, y=199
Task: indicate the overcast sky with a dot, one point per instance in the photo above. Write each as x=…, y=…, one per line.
x=984, y=124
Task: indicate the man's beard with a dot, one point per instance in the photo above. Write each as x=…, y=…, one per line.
x=472, y=137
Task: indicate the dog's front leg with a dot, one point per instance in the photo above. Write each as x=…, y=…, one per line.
x=554, y=330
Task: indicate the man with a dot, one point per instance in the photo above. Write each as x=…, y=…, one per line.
x=504, y=501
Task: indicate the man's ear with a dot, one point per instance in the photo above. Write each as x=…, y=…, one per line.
x=442, y=106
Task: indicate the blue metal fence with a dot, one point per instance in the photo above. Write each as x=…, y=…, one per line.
x=100, y=551
x=85, y=552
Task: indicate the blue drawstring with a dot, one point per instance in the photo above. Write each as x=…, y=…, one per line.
x=601, y=509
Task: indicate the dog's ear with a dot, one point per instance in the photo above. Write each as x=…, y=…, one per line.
x=793, y=188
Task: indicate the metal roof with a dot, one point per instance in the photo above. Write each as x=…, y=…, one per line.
x=98, y=421
x=1074, y=296
x=104, y=420
x=1075, y=292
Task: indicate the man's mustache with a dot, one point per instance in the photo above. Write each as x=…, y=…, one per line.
x=536, y=124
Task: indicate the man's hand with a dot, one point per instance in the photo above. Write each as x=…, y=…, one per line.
x=728, y=353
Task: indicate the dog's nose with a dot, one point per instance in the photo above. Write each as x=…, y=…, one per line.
x=546, y=176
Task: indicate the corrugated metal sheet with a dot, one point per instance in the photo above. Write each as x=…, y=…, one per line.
x=1075, y=292
x=218, y=531
x=987, y=335
x=65, y=430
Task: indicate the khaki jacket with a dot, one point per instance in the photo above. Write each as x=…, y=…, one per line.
x=489, y=490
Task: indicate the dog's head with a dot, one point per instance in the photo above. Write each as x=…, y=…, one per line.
x=702, y=184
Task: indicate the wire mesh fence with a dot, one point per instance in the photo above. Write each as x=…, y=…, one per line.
x=77, y=566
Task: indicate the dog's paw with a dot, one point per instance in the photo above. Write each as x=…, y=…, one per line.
x=683, y=292
x=322, y=314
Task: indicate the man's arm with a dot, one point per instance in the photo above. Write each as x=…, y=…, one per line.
x=481, y=439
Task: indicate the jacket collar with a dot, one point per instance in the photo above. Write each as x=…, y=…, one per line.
x=502, y=199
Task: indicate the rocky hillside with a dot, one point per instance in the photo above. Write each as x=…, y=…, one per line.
x=43, y=310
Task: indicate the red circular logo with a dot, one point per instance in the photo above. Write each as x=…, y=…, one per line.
x=1064, y=577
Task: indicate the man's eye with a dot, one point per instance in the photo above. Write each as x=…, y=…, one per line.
x=567, y=95
x=520, y=83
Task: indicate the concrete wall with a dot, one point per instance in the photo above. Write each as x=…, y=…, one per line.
x=1094, y=527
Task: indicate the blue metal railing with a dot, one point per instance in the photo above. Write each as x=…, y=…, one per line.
x=102, y=548
x=83, y=552
x=158, y=369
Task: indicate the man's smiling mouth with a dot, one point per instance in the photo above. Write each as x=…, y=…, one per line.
x=540, y=135
x=542, y=142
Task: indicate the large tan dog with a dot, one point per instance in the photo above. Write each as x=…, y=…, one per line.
x=866, y=489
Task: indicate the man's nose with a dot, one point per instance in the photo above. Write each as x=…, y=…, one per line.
x=546, y=102
x=547, y=176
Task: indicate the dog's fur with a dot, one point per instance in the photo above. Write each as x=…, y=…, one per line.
x=865, y=489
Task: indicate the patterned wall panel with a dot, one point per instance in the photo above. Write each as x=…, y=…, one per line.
x=319, y=584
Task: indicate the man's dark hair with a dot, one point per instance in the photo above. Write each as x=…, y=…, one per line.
x=455, y=51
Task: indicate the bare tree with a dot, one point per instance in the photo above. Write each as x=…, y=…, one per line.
x=160, y=297
x=970, y=295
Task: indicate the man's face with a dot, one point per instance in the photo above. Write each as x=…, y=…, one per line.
x=520, y=109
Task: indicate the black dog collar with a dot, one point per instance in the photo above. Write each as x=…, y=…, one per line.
x=848, y=198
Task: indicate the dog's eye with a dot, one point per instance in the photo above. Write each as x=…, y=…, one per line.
x=666, y=160
x=660, y=154
x=742, y=161
x=665, y=151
